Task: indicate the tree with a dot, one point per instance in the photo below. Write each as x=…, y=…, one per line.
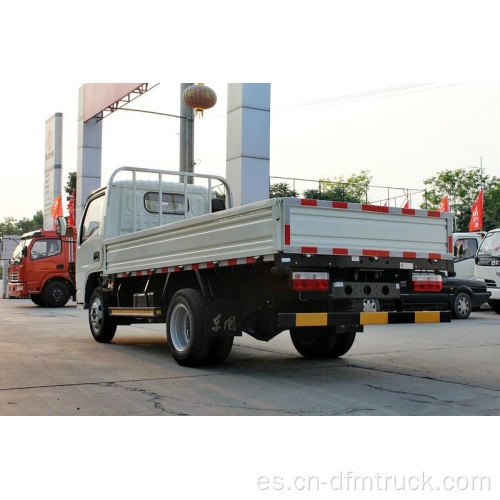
x=282, y=190
x=70, y=185
x=9, y=226
x=462, y=186
x=25, y=225
x=354, y=189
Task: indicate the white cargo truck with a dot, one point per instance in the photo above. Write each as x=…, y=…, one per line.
x=487, y=266
x=152, y=250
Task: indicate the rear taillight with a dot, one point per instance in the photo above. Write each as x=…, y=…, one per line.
x=311, y=282
x=427, y=282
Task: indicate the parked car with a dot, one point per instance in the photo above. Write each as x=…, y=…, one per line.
x=460, y=296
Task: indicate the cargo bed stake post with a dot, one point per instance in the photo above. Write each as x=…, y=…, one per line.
x=134, y=202
x=209, y=196
x=160, y=199
x=185, y=195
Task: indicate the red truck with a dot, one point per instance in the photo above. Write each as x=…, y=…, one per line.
x=42, y=268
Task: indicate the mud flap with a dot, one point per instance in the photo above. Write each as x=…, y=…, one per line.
x=223, y=319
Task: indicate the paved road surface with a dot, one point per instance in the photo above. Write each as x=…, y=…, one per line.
x=52, y=366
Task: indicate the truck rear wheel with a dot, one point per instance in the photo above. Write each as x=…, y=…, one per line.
x=185, y=328
x=342, y=344
x=37, y=299
x=103, y=327
x=313, y=342
x=220, y=348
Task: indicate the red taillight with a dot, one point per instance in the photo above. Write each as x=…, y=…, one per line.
x=427, y=282
x=311, y=282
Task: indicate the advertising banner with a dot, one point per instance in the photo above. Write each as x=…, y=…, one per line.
x=53, y=166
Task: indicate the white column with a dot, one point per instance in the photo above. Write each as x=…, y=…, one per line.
x=88, y=177
x=248, y=141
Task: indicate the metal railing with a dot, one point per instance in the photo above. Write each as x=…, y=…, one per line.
x=375, y=195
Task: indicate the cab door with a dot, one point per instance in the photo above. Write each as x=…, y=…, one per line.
x=465, y=250
x=44, y=258
x=89, y=254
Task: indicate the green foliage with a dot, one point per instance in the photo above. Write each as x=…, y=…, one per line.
x=282, y=190
x=462, y=187
x=354, y=189
x=25, y=225
x=70, y=185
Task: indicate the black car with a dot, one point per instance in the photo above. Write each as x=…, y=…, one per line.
x=460, y=296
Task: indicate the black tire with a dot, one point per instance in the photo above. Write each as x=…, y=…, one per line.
x=220, y=348
x=186, y=328
x=495, y=305
x=313, y=342
x=461, y=305
x=37, y=299
x=342, y=344
x=103, y=327
x=55, y=294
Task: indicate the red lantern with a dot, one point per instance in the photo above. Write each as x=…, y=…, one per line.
x=200, y=97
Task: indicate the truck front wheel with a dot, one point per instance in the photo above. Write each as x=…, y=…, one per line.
x=313, y=341
x=103, y=327
x=185, y=328
x=495, y=305
x=37, y=299
x=55, y=294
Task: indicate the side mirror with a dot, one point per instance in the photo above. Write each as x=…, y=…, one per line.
x=24, y=251
x=61, y=226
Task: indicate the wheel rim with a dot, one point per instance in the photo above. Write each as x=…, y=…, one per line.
x=96, y=315
x=56, y=294
x=180, y=327
x=307, y=336
x=463, y=306
x=369, y=305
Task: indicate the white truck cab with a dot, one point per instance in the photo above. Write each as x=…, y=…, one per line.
x=487, y=266
x=465, y=247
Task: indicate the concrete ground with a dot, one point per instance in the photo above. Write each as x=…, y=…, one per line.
x=50, y=365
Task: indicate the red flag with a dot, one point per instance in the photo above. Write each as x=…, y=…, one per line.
x=56, y=210
x=476, y=220
x=407, y=204
x=71, y=210
x=444, y=205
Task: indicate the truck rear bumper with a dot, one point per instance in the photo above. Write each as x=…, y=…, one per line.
x=297, y=320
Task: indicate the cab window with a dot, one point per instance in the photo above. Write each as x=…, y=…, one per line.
x=42, y=249
x=92, y=219
x=171, y=203
x=465, y=248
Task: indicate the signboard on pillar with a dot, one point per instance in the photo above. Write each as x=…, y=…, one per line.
x=53, y=166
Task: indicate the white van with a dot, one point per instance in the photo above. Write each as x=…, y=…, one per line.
x=465, y=247
x=487, y=266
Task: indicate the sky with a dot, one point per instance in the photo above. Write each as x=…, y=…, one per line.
x=402, y=133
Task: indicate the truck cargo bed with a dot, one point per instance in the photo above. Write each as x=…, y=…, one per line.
x=289, y=225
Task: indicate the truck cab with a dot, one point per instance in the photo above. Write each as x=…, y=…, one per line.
x=487, y=266
x=42, y=268
x=465, y=246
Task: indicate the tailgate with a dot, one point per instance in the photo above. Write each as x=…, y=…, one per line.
x=339, y=228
